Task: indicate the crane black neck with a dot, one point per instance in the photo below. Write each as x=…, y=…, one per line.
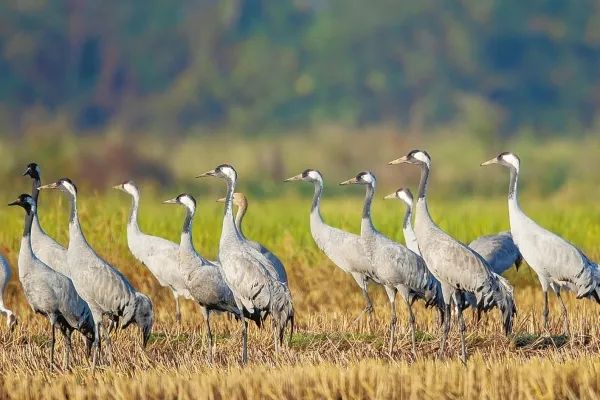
x=317, y=196
x=366, y=214
x=35, y=193
x=423, y=181
x=29, y=214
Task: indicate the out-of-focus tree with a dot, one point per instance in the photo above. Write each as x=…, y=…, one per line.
x=267, y=65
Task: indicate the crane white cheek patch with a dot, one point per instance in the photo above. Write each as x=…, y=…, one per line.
x=422, y=157
x=230, y=173
x=69, y=187
x=314, y=175
x=404, y=197
x=129, y=188
x=188, y=202
x=512, y=160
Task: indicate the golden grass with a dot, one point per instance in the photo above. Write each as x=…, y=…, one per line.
x=331, y=356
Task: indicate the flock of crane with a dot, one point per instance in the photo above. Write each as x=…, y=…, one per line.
x=75, y=289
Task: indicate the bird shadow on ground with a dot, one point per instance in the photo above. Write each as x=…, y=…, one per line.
x=536, y=341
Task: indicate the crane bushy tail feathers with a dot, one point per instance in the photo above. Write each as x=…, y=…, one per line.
x=496, y=291
x=281, y=309
x=432, y=295
x=587, y=281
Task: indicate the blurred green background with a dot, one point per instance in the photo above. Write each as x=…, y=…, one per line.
x=159, y=90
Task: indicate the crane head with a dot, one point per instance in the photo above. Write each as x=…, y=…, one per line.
x=224, y=171
x=419, y=157
x=33, y=170
x=363, y=178
x=308, y=175
x=26, y=201
x=506, y=159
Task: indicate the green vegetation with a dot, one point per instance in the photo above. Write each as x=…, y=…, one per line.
x=257, y=65
x=331, y=355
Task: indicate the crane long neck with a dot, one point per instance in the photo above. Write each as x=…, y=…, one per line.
x=28, y=222
x=186, y=233
x=229, y=227
x=74, y=227
x=239, y=217
x=133, y=216
x=406, y=224
x=315, y=208
x=366, y=214
x=35, y=193
x=423, y=181
x=512, y=186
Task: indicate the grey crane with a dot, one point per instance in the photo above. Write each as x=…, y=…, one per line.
x=240, y=201
x=51, y=293
x=105, y=289
x=499, y=251
x=246, y=271
x=341, y=247
x=5, y=275
x=458, y=268
x=48, y=250
x=396, y=268
x=157, y=254
x=203, y=279
x=557, y=263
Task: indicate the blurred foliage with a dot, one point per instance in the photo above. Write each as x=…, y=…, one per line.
x=266, y=66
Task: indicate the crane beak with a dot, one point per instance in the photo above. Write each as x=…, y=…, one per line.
x=118, y=187
x=48, y=186
x=212, y=172
x=172, y=201
x=221, y=200
x=294, y=178
x=27, y=171
x=351, y=181
x=490, y=162
x=390, y=196
x=401, y=160
x=14, y=203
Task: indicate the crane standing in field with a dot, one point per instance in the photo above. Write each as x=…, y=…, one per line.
x=48, y=250
x=159, y=255
x=105, y=289
x=5, y=275
x=239, y=200
x=246, y=271
x=51, y=293
x=203, y=278
x=498, y=250
x=394, y=266
x=341, y=247
x=458, y=268
x=557, y=263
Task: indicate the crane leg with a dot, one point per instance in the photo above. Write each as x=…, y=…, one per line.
x=52, y=342
x=276, y=335
x=177, y=309
x=244, y=340
x=363, y=283
x=209, y=335
x=108, y=345
x=461, y=327
x=96, y=345
x=546, y=311
x=564, y=314
x=446, y=330
x=391, y=292
x=68, y=347
x=411, y=322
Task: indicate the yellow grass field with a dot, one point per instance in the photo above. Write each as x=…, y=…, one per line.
x=331, y=356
